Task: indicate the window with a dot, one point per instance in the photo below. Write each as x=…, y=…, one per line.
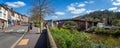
x=4, y=15
x=0, y=13
x=0, y=7
x=4, y=11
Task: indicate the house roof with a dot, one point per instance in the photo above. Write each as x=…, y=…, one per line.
x=4, y=6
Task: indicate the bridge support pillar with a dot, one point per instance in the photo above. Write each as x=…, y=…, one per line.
x=86, y=25
x=93, y=24
x=52, y=23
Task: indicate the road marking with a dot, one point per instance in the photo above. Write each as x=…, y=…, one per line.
x=9, y=30
x=23, y=42
x=21, y=30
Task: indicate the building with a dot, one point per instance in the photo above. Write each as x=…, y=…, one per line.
x=100, y=24
x=3, y=16
x=9, y=17
x=24, y=18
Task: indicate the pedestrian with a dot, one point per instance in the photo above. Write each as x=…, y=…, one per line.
x=30, y=26
x=2, y=25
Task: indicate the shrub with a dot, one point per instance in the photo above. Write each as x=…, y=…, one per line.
x=37, y=24
x=71, y=25
x=65, y=39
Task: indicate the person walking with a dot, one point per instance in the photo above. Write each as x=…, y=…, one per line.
x=30, y=26
x=2, y=25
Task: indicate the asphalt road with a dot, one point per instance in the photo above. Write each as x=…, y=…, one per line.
x=10, y=35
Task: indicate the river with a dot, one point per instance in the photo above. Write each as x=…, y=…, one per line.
x=104, y=40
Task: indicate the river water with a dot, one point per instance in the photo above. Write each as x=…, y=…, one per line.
x=105, y=40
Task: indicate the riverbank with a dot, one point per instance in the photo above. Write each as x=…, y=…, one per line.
x=65, y=38
x=115, y=32
x=104, y=39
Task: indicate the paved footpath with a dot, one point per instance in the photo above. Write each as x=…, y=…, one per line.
x=33, y=39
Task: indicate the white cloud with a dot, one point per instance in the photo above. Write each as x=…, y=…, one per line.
x=78, y=11
x=59, y=13
x=76, y=8
x=118, y=10
x=15, y=4
x=90, y=2
x=55, y=17
x=70, y=8
x=113, y=8
x=89, y=11
x=81, y=5
x=118, y=0
x=102, y=9
x=116, y=3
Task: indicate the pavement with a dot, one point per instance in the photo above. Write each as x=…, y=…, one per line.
x=33, y=39
x=10, y=35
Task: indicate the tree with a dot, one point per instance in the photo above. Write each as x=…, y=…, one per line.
x=40, y=8
x=116, y=22
x=71, y=25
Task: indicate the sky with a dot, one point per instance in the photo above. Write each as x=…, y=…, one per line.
x=65, y=9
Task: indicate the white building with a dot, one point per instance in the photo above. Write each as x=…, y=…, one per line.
x=3, y=15
x=100, y=24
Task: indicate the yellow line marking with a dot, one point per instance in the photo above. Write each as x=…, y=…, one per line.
x=23, y=42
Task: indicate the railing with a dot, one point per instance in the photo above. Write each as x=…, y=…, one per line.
x=50, y=41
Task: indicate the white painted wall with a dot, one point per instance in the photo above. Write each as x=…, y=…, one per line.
x=4, y=15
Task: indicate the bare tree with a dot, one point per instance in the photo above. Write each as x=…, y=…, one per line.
x=41, y=8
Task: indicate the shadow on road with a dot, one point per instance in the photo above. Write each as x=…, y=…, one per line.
x=41, y=43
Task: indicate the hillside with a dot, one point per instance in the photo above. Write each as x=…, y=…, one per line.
x=107, y=17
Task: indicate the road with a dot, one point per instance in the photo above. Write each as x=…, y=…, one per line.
x=10, y=35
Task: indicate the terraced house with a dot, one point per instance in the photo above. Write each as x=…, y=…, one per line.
x=3, y=16
x=9, y=17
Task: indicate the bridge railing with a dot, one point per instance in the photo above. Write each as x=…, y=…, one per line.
x=50, y=41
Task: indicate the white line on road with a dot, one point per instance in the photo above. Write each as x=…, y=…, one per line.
x=9, y=30
x=20, y=30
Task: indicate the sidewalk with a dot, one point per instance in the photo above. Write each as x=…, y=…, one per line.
x=33, y=40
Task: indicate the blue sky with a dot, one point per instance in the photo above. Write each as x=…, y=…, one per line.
x=65, y=9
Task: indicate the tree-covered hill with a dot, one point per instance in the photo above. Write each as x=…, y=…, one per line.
x=107, y=17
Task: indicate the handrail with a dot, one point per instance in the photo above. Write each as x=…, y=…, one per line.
x=51, y=42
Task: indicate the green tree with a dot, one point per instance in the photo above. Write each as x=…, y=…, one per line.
x=116, y=22
x=71, y=25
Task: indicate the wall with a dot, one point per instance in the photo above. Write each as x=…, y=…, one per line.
x=3, y=16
